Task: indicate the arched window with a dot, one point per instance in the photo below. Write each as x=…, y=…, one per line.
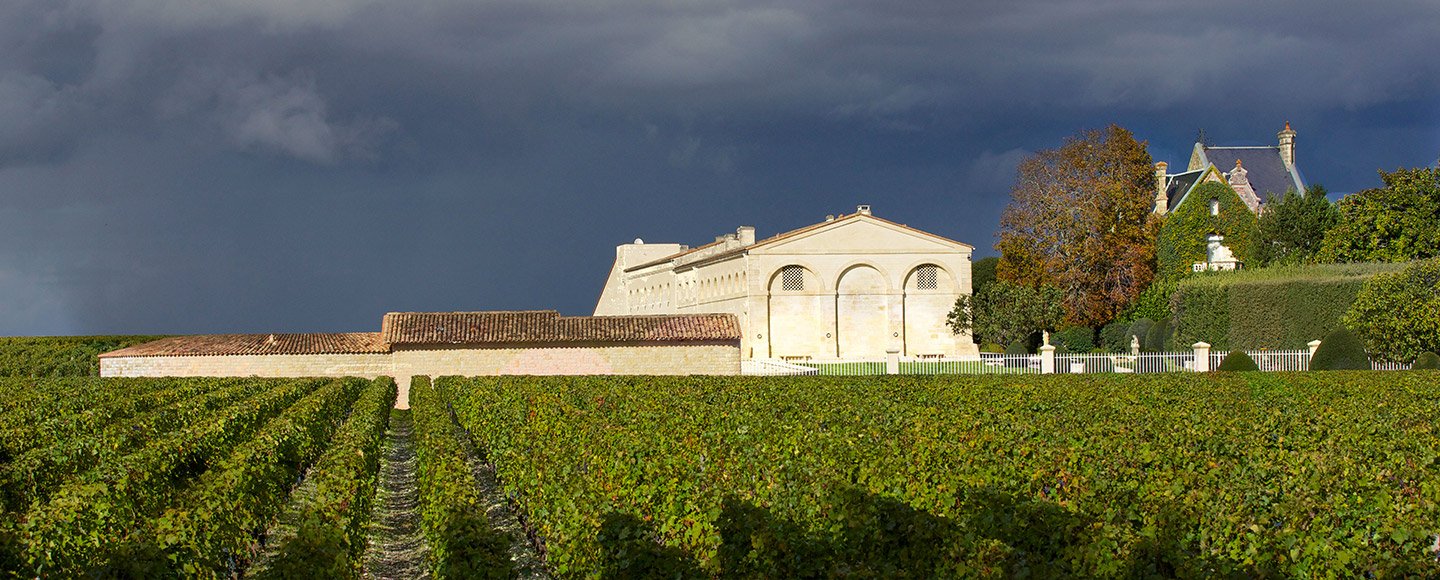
x=792, y=279
x=1214, y=206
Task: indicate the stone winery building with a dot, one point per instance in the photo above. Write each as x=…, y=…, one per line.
x=851, y=287
x=854, y=286
x=453, y=343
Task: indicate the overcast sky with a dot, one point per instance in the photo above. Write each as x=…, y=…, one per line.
x=269, y=165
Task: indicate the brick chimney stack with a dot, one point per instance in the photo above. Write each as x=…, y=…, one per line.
x=1287, y=145
x=1161, y=201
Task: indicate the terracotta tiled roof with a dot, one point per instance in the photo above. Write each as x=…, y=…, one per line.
x=230, y=344
x=548, y=327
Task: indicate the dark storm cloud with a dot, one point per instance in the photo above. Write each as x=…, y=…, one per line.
x=172, y=166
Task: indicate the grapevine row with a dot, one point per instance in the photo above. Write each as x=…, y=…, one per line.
x=121, y=399
x=32, y=476
x=209, y=531
x=330, y=524
x=83, y=518
x=1307, y=474
x=452, y=514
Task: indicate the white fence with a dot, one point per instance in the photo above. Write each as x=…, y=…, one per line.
x=1271, y=360
x=1046, y=362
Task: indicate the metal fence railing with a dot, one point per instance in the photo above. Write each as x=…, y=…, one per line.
x=1389, y=366
x=773, y=368
x=987, y=363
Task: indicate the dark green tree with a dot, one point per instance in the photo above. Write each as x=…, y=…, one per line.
x=1395, y=223
x=1292, y=229
x=1006, y=312
x=1397, y=316
x=982, y=272
x=1184, y=236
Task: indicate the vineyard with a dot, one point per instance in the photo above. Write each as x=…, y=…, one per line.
x=181, y=477
x=1236, y=474
x=1228, y=474
x=59, y=356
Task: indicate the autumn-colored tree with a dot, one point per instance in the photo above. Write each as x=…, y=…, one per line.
x=1080, y=219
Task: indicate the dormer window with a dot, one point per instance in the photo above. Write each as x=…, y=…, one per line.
x=1214, y=206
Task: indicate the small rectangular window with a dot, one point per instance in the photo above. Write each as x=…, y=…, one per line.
x=792, y=279
x=925, y=278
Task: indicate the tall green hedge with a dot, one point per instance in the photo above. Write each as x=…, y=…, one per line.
x=1269, y=308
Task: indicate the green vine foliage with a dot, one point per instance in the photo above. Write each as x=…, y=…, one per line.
x=1046, y=476
x=1185, y=232
x=59, y=356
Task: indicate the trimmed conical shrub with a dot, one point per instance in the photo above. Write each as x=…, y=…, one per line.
x=1015, y=349
x=1338, y=351
x=1426, y=360
x=1237, y=360
x=1158, y=339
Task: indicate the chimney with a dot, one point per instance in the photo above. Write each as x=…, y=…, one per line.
x=1287, y=145
x=862, y=209
x=1162, y=202
x=747, y=235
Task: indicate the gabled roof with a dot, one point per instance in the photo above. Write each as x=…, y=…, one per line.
x=1268, y=174
x=237, y=344
x=1180, y=186
x=794, y=234
x=548, y=327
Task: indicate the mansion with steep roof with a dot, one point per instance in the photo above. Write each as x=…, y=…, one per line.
x=1257, y=174
x=851, y=287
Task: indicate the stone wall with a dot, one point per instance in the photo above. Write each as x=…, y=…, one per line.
x=599, y=359
x=276, y=365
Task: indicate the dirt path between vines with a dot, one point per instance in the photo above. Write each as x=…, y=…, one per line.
x=527, y=560
x=397, y=548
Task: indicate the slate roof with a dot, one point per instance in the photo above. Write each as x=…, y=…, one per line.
x=235, y=344
x=548, y=327
x=1265, y=168
x=1180, y=185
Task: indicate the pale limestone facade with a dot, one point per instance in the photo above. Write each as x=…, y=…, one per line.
x=851, y=287
x=249, y=365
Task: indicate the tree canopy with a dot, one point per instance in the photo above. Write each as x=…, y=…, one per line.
x=1395, y=223
x=1004, y=312
x=1292, y=229
x=1080, y=219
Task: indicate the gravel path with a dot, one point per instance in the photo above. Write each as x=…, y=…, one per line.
x=397, y=548
x=528, y=562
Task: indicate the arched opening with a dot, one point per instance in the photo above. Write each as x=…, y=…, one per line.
x=800, y=320
x=929, y=296
x=862, y=313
